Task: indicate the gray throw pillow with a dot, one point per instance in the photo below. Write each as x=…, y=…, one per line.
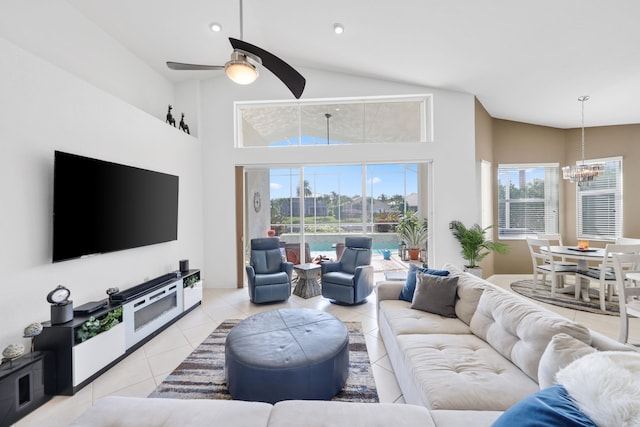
x=435, y=294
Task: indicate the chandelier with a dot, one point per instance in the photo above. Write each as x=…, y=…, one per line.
x=582, y=174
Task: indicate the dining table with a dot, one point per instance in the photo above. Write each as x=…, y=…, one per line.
x=582, y=256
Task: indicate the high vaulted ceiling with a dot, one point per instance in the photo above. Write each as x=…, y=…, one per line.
x=526, y=61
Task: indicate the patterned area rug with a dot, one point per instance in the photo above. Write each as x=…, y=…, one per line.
x=201, y=374
x=543, y=294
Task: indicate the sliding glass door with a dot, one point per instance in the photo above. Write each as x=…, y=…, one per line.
x=313, y=208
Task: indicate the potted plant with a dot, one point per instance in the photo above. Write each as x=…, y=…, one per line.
x=475, y=245
x=413, y=232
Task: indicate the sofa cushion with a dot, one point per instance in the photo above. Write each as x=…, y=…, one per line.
x=315, y=413
x=551, y=407
x=463, y=372
x=148, y=412
x=410, y=284
x=561, y=350
x=404, y=320
x=435, y=294
x=469, y=291
x=519, y=329
x=606, y=386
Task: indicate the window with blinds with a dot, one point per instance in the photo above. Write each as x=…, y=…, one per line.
x=527, y=200
x=599, y=204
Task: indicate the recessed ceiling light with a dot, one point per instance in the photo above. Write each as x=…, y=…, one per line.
x=215, y=27
x=338, y=28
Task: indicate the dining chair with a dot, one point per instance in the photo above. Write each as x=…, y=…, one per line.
x=544, y=263
x=627, y=241
x=604, y=273
x=555, y=239
x=626, y=268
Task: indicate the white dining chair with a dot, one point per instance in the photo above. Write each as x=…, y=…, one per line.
x=544, y=263
x=604, y=273
x=627, y=241
x=555, y=239
x=627, y=270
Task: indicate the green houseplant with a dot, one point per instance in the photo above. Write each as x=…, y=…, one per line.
x=413, y=232
x=475, y=245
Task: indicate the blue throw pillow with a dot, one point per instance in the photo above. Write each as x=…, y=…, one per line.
x=550, y=407
x=410, y=285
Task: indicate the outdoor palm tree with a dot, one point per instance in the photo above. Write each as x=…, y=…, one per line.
x=307, y=189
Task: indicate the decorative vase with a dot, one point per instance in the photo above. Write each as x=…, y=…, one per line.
x=386, y=254
x=476, y=271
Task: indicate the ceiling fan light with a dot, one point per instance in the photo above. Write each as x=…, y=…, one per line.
x=240, y=70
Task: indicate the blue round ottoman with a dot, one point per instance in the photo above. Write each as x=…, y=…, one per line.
x=285, y=354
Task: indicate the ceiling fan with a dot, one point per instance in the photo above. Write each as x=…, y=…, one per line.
x=241, y=67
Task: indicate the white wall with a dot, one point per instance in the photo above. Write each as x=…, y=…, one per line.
x=453, y=154
x=57, y=32
x=44, y=109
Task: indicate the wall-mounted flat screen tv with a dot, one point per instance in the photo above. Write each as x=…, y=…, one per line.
x=101, y=207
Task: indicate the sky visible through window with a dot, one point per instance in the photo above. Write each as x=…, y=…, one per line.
x=388, y=179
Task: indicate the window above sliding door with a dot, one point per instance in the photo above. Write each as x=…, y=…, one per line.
x=334, y=122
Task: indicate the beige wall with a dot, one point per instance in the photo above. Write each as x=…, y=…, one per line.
x=484, y=151
x=515, y=142
x=607, y=141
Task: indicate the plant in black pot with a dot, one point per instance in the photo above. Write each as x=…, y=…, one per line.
x=414, y=232
x=475, y=245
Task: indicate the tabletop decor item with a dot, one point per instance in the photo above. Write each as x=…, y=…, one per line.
x=61, y=305
x=12, y=352
x=32, y=330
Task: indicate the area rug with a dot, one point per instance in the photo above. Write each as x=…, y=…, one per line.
x=543, y=294
x=201, y=374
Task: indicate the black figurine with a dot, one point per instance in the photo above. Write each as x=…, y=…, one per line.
x=170, y=118
x=183, y=125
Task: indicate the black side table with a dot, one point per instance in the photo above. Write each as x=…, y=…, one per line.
x=22, y=387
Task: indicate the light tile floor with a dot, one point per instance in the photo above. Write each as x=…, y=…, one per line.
x=142, y=371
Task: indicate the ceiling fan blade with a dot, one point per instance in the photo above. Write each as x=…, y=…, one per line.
x=181, y=66
x=285, y=72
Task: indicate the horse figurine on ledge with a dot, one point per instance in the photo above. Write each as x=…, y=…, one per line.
x=183, y=125
x=170, y=118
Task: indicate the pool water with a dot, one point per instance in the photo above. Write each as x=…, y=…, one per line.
x=377, y=248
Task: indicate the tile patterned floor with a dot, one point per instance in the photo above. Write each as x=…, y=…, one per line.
x=142, y=371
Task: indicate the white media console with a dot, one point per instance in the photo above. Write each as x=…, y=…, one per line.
x=90, y=344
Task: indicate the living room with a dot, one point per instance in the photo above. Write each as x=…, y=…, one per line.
x=78, y=90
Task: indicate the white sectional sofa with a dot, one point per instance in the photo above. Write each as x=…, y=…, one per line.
x=486, y=358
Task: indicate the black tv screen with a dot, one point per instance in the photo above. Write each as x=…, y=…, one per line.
x=101, y=207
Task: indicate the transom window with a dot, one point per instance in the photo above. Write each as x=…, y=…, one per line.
x=599, y=204
x=334, y=122
x=527, y=200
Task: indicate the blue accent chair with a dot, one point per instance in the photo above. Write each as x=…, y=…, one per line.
x=350, y=280
x=268, y=275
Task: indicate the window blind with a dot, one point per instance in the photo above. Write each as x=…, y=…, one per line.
x=599, y=204
x=527, y=200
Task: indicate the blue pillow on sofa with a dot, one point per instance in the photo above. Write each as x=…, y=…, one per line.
x=410, y=285
x=550, y=407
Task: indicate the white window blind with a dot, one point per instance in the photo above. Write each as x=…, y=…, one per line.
x=599, y=204
x=527, y=200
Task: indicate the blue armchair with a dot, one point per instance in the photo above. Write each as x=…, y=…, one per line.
x=268, y=275
x=350, y=280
